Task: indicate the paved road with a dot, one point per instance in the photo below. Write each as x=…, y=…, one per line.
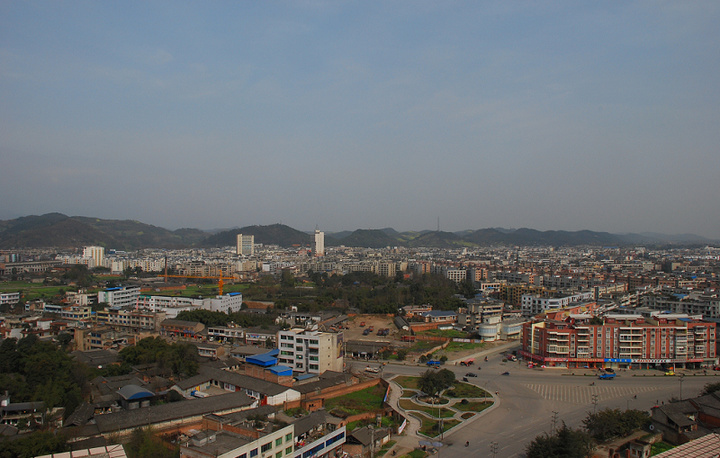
x=529, y=399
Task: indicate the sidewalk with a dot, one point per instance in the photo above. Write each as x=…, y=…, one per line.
x=407, y=442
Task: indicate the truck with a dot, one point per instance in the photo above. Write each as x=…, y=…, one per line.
x=607, y=376
x=467, y=362
x=434, y=363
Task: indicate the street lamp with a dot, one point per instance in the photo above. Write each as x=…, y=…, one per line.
x=682, y=376
x=595, y=402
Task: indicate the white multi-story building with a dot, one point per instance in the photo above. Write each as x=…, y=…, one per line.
x=532, y=304
x=96, y=254
x=122, y=296
x=245, y=245
x=9, y=298
x=319, y=245
x=173, y=305
x=310, y=351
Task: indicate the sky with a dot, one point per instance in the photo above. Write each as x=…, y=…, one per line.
x=552, y=115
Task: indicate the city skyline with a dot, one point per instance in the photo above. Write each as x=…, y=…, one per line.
x=550, y=116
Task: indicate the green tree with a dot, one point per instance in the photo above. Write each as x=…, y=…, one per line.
x=144, y=443
x=565, y=443
x=433, y=382
x=710, y=388
x=610, y=423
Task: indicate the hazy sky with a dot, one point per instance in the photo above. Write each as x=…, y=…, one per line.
x=550, y=115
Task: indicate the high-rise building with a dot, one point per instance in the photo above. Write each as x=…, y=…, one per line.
x=245, y=245
x=319, y=245
x=96, y=254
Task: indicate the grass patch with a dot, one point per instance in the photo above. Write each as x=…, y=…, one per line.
x=463, y=346
x=407, y=381
x=415, y=454
x=298, y=411
x=659, y=447
x=421, y=346
x=408, y=404
x=466, y=390
x=467, y=415
x=385, y=448
x=449, y=333
x=368, y=400
x=474, y=406
x=431, y=428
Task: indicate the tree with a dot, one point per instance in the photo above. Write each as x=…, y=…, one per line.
x=710, y=388
x=565, y=443
x=433, y=382
x=610, y=423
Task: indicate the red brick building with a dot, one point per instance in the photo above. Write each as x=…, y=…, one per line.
x=621, y=341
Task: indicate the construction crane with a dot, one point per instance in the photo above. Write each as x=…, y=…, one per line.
x=219, y=279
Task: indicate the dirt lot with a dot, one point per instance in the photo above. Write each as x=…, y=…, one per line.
x=377, y=322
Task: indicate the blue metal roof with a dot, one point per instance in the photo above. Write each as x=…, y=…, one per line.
x=305, y=376
x=134, y=392
x=280, y=370
x=234, y=294
x=114, y=289
x=264, y=360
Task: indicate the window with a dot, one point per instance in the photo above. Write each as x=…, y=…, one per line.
x=288, y=437
x=288, y=450
x=244, y=455
x=278, y=455
x=253, y=453
x=266, y=447
x=278, y=442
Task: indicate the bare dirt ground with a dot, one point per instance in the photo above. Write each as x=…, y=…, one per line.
x=377, y=322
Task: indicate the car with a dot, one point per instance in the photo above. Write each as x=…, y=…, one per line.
x=609, y=370
x=470, y=374
x=362, y=324
x=464, y=379
x=366, y=332
x=505, y=373
x=606, y=376
x=716, y=368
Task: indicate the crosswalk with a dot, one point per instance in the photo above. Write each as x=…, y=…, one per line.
x=584, y=394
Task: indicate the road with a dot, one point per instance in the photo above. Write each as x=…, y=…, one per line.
x=532, y=400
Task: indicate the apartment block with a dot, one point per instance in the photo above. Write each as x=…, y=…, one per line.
x=533, y=304
x=621, y=341
x=123, y=296
x=310, y=351
x=131, y=320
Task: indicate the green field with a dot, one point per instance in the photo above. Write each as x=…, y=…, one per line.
x=407, y=381
x=430, y=427
x=450, y=333
x=367, y=400
x=463, y=346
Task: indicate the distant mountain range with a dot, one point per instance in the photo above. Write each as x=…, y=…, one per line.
x=62, y=231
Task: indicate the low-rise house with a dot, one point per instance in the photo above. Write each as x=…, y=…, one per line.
x=182, y=328
x=263, y=391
